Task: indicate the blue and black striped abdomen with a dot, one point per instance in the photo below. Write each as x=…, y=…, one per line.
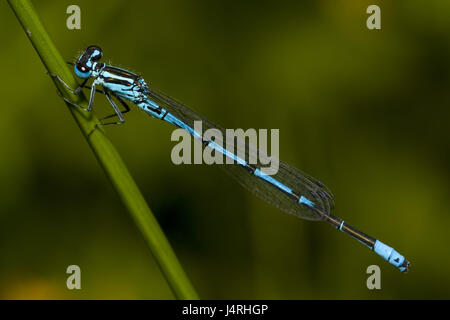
x=289, y=189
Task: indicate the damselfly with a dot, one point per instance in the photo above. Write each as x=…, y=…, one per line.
x=290, y=189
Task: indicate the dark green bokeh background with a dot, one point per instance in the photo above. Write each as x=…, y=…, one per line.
x=366, y=112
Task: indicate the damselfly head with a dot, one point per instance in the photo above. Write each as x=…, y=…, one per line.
x=85, y=63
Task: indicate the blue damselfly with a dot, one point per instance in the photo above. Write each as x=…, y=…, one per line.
x=289, y=189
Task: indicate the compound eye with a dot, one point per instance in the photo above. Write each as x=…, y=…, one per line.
x=95, y=53
x=82, y=70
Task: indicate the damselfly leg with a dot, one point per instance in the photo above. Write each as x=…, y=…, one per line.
x=119, y=113
x=77, y=91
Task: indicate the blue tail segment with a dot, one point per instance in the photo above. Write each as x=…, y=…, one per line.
x=391, y=256
x=383, y=250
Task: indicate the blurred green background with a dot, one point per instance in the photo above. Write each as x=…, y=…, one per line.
x=366, y=112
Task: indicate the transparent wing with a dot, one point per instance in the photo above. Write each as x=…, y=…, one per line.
x=291, y=177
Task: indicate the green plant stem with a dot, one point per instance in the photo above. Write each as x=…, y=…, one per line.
x=106, y=154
